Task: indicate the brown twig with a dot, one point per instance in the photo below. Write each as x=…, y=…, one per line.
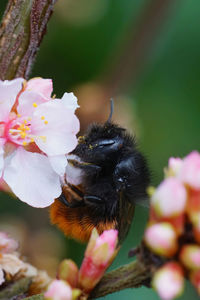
x=21, y=32
x=131, y=275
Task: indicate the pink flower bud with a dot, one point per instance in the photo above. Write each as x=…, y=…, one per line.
x=7, y=244
x=168, y=281
x=195, y=280
x=68, y=271
x=169, y=199
x=174, y=166
x=58, y=290
x=190, y=170
x=177, y=222
x=99, y=254
x=161, y=239
x=190, y=256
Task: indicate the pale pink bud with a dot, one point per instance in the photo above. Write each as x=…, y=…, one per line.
x=68, y=271
x=98, y=256
x=174, y=166
x=190, y=256
x=190, y=170
x=169, y=198
x=177, y=222
x=161, y=239
x=195, y=280
x=7, y=244
x=58, y=290
x=168, y=281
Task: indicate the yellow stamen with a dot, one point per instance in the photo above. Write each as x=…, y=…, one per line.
x=45, y=122
x=23, y=135
x=25, y=121
x=29, y=118
x=32, y=140
x=42, y=118
x=34, y=104
x=24, y=143
x=27, y=128
x=18, y=115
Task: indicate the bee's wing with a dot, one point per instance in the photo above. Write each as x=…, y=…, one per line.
x=125, y=216
x=144, y=202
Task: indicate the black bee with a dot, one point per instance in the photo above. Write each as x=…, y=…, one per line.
x=105, y=177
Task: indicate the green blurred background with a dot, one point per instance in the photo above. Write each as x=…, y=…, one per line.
x=159, y=102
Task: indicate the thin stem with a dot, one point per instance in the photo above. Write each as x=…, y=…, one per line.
x=21, y=32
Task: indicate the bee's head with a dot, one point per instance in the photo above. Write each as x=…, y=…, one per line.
x=101, y=143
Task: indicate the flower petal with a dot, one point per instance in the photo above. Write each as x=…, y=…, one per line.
x=9, y=90
x=1, y=276
x=2, y=141
x=70, y=101
x=59, y=132
x=58, y=163
x=28, y=101
x=41, y=86
x=32, y=178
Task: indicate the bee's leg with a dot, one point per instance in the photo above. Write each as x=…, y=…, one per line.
x=63, y=199
x=93, y=199
x=84, y=165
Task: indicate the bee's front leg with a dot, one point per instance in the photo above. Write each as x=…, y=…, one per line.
x=93, y=199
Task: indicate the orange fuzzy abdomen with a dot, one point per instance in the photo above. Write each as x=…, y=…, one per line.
x=78, y=222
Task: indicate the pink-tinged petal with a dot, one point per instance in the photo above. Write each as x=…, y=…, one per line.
x=8, y=94
x=32, y=179
x=68, y=271
x=28, y=102
x=168, y=281
x=11, y=264
x=169, y=199
x=73, y=175
x=7, y=244
x=99, y=254
x=58, y=130
x=58, y=163
x=161, y=239
x=2, y=142
x=110, y=237
x=174, y=166
x=190, y=170
x=58, y=290
x=70, y=101
x=1, y=276
x=190, y=256
x=41, y=86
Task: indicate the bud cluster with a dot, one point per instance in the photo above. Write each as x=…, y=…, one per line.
x=71, y=282
x=173, y=230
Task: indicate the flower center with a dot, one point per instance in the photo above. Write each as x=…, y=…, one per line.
x=19, y=131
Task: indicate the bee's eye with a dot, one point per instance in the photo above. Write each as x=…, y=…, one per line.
x=104, y=143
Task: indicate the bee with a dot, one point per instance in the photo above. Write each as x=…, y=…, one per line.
x=106, y=175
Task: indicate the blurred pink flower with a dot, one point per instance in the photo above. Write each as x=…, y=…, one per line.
x=36, y=132
x=7, y=244
x=169, y=199
x=190, y=256
x=99, y=254
x=161, y=239
x=58, y=290
x=190, y=170
x=174, y=166
x=168, y=281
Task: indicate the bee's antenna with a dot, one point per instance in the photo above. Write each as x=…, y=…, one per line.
x=111, y=110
